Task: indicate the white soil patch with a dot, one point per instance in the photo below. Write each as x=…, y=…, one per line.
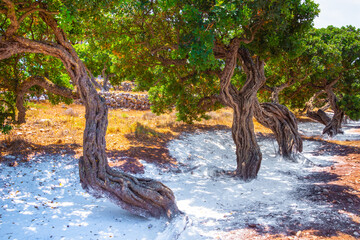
x=43, y=199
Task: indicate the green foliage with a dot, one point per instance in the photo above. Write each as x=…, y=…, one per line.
x=7, y=111
x=74, y=17
x=351, y=106
x=168, y=46
x=19, y=68
x=331, y=55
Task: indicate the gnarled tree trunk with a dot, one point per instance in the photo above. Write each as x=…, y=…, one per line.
x=144, y=197
x=275, y=91
x=333, y=127
x=319, y=115
x=248, y=154
x=106, y=78
x=283, y=124
x=44, y=83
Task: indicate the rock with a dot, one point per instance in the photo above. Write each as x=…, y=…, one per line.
x=71, y=112
x=350, y=200
x=46, y=122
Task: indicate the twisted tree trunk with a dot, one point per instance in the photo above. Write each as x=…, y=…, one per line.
x=333, y=127
x=283, y=124
x=319, y=115
x=144, y=197
x=248, y=154
x=275, y=91
x=44, y=83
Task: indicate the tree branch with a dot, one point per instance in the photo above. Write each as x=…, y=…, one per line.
x=254, y=29
x=176, y=62
x=32, y=10
x=44, y=83
x=254, y=69
x=11, y=14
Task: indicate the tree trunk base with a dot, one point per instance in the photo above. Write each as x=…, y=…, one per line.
x=140, y=196
x=334, y=126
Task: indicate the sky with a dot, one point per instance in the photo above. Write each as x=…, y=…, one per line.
x=338, y=13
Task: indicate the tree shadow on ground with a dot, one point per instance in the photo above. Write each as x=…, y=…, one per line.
x=23, y=149
x=333, y=200
x=150, y=145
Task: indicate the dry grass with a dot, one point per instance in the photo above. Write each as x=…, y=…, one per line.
x=132, y=133
x=58, y=128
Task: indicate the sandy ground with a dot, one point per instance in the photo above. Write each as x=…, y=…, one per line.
x=315, y=198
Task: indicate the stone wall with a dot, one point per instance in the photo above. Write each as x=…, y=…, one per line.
x=126, y=100
x=113, y=100
x=126, y=86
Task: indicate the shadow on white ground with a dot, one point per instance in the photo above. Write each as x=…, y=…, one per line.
x=44, y=200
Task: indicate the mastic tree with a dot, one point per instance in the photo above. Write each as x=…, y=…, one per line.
x=191, y=55
x=339, y=78
x=327, y=71
x=61, y=24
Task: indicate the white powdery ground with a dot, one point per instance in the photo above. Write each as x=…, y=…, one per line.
x=44, y=200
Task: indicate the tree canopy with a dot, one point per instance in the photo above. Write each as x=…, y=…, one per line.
x=328, y=70
x=179, y=47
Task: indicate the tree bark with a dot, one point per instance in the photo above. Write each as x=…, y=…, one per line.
x=105, y=83
x=248, y=154
x=44, y=83
x=319, y=115
x=333, y=127
x=106, y=78
x=276, y=91
x=283, y=124
x=144, y=197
